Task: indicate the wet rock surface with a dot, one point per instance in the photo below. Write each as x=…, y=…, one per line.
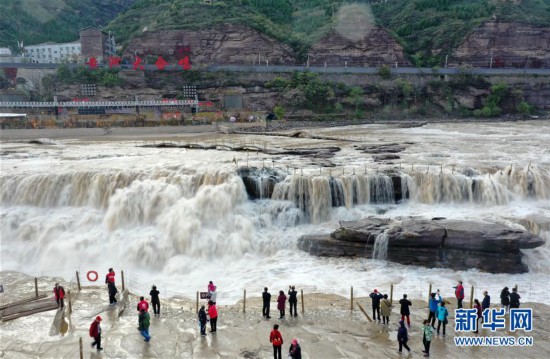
x=440, y=242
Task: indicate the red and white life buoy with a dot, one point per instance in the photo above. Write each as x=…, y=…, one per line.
x=92, y=274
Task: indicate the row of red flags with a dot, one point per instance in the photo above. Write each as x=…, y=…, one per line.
x=114, y=61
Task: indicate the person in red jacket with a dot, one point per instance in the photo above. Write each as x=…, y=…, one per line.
x=276, y=340
x=142, y=305
x=110, y=277
x=459, y=294
x=59, y=293
x=213, y=314
x=95, y=332
x=281, y=300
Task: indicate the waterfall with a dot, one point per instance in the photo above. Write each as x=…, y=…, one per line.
x=380, y=249
x=473, y=187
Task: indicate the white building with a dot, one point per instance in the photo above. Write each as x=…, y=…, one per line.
x=51, y=52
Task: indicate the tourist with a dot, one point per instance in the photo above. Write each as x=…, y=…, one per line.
x=112, y=293
x=266, y=297
x=281, y=302
x=110, y=281
x=110, y=277
x=213, y=314
x=459, y=294
x=405, y=311
x=433, y=307
x=95, y=332
x=293, y=300
x=295, y=352
x=514, y=298
x=375, y=296
x=144, y=321
x=402, y=337
x=505, y=299
x=212, y=292
x=486, y=302
x=276, y=339
x=477, y=307
x=142, y=305
x=155, y=301
x=385, y=305
x=59, y=294
x=442, y=314
x=427, y=333
x=202, y=320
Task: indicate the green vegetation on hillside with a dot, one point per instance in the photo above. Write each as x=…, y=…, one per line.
x=297, y=23
x=37, y=21
x=430, y=29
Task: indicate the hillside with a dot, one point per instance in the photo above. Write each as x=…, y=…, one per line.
x=430, y=29
x=298, y=23
x=36, y=21
x=427, y=29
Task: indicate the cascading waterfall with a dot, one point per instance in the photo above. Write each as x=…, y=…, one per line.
x=491, y=189
x=380, y=249
x=316, y=195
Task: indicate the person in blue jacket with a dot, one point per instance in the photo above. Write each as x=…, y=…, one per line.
x=442, y=314
x=434, y=302
x=376, y=297
x=486, y=302
x=402, y=337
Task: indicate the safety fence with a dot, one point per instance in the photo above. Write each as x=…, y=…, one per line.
x=17, y=287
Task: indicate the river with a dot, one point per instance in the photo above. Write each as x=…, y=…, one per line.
x=181, y=217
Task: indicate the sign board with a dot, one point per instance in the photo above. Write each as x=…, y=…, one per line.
x=204, y=295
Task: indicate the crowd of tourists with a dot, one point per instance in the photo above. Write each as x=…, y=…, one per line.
x=381, y=311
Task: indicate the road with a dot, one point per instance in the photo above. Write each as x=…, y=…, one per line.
x=322, y=69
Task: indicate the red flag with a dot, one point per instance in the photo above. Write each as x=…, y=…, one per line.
x=184, y=63
x=161, y=63
x=92, y=63
x=137, y=64
x=114, y=61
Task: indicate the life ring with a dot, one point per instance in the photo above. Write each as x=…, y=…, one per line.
x=92, y=272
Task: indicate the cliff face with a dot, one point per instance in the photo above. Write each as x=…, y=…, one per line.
x=229, y=44
x=375, y=49
x=509, y=44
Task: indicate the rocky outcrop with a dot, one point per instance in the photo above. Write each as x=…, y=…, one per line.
x=456, y=244
x=229, y=44
x=509, y=44
x=375, y=49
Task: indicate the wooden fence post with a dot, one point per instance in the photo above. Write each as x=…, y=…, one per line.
x=244, y=302
x=36, y=286
x=78, y=280
x=429, y=292
x=122, y=277
x=302, y=296
x=391, y=294
x=472, y=297
x=351, y=301
x=81, y=348
x=70, y=304
x=197, y=306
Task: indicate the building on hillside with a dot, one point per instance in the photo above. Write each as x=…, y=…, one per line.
x=52, y=53
x=97, y=43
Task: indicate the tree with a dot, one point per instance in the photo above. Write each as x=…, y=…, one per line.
x=279, y=111
x=356, y=93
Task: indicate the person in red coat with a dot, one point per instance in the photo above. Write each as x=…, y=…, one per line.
x=95, y=332
x=213, y=314
x=281, y=301
x=110, y=277
x=276, y=340
x=459, y=294
x=59, y=293
x=142, y=305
